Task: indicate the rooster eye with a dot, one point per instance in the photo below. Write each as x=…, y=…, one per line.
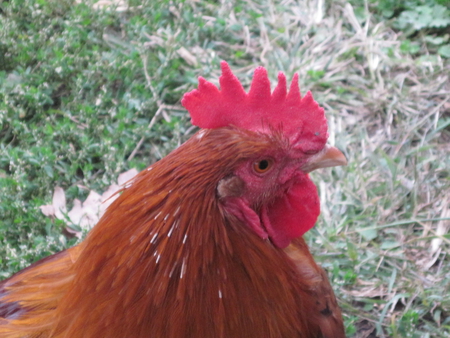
x=262, y=166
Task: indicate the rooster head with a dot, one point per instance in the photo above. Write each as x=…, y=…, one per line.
x=269, y=191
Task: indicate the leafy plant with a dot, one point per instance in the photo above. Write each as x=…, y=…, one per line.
x=423, y=22
x=420, y=17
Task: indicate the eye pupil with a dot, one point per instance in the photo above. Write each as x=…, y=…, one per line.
x=263, y=165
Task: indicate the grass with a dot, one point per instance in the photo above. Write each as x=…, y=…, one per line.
x=79, y=87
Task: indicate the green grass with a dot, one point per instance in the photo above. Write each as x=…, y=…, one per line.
x=79, y=87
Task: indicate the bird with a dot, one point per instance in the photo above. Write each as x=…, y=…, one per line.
x=206, y=242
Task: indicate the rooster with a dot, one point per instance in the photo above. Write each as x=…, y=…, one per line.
x=206, y=242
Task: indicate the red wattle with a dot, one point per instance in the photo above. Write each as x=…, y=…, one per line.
x=292, y=214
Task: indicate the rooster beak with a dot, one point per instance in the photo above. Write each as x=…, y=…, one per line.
x=328, y=157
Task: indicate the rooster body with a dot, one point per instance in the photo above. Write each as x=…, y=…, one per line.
x=200, y=244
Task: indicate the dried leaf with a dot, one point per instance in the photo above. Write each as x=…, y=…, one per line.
x=59, y=202
x=91, y=209
x=108, y=197
x=367, y=292
x=442, y=226
x=126, y=176
x=58, y=206
x=84, y=215
x=48, y=210
x=76, y=213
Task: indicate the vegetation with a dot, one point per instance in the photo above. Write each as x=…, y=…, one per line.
x=81, y=82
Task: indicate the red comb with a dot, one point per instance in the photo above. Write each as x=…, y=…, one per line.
x=300, y=119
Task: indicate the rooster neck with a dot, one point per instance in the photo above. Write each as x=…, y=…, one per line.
x=166, y=259
x=207, y=276
x=178, y=276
